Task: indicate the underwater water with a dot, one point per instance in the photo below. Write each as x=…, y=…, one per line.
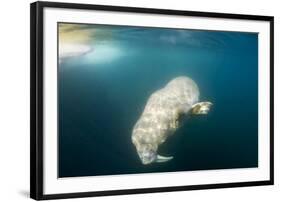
x=107, y=73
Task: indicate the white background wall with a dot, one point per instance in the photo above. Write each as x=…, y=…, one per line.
x=14, y=100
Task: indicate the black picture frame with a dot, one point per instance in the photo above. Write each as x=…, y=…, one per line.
x=36, y=98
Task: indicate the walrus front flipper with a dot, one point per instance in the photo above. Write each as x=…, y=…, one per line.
x=201, y=108
x=161, y=159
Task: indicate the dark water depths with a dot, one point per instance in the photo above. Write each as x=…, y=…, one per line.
x=103, y=93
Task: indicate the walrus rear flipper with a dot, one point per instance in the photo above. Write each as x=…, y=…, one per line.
x=161, y=159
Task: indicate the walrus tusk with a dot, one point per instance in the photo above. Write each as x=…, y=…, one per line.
x=161, y=159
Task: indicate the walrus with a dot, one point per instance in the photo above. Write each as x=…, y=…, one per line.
x=162, y=116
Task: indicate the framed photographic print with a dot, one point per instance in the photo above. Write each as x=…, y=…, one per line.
x=136, y=100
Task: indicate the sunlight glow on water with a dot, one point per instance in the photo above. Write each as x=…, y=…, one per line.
x=103, y=53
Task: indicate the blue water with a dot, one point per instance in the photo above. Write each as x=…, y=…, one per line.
x=103, y=93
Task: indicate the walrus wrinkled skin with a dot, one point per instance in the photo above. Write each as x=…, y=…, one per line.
x=161, y=117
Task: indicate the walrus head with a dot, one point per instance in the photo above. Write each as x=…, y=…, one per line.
x=148, y=154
